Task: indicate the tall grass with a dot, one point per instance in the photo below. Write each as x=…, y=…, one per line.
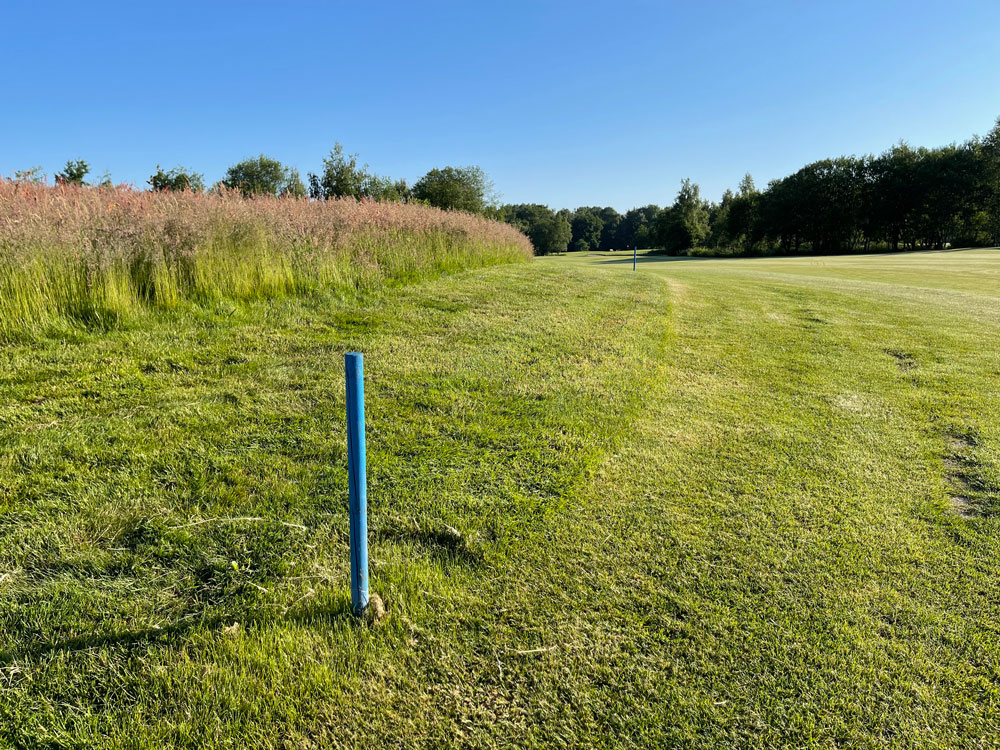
x=98, y=257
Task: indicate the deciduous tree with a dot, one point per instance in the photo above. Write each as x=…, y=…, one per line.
x=548, y=231
x=176, y=179
x=259, y=175
x=685, y=224
x=456, y=188
x=586, y=225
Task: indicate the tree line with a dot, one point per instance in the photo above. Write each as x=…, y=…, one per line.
x=451, y=188
x=903, y=198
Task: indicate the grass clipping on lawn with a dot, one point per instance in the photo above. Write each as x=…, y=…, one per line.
x=98, y=257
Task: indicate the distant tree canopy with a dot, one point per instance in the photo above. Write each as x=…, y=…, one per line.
x=903, y=198
x=990, y=154
x=456, y=189
x=548, y=231
x=593, y=228
x=176, y=179
x=587, y=225
x=293, y=187
x=685, y=224
x=638, y=228
x=588, y=228
x=262, y=175
x=610, y=221
x=343, y=178
x=73, y=173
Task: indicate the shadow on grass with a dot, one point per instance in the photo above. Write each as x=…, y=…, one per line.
x=623, y=259
x=338, y=610
x=643, y=259
x=442, y=542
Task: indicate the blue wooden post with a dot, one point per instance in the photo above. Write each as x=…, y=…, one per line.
x=635, y=250
x=357, y=482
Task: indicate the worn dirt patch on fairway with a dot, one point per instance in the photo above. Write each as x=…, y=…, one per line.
x=962, y=506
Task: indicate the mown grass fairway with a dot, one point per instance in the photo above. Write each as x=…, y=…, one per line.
x=744, y=503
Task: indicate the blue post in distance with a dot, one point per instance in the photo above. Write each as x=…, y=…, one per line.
x=357, y=481
x=635, y=250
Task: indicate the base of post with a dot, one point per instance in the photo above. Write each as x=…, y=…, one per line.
x=373, y=611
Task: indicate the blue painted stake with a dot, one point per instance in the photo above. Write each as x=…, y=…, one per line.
x=357, y=482
x=635, y=249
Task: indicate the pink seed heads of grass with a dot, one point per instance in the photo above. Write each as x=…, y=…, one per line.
x=97, y=255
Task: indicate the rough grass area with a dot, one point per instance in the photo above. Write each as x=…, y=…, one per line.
x=706, y=504
x=101, y=258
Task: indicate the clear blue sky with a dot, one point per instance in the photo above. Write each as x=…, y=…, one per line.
x=568, y=104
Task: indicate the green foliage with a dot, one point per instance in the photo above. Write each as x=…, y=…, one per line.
x=176, y=179
x=734, y=220
x=685, y=224
x=610, y=222
x=595, y=228
x=548, y=231
x=293, y=187
x=743, y=214
x=587, y=226
x=343, y=178
x=387, y=189
x=638, y=228
x=990, y=154
x=73, y=173
x=719, y=220
x=456, y=189
x=260, y=175
x=904, y=198
x=32, y=175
